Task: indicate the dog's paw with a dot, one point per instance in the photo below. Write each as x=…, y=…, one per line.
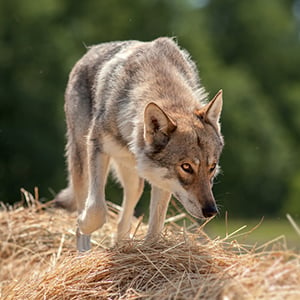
x=92, y=217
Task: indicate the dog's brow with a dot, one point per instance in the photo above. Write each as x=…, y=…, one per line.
x=199, y=142
x=210, y=160
x=197, y=161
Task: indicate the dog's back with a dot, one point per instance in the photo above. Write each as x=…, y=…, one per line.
x=80, y=92
x=101, y=81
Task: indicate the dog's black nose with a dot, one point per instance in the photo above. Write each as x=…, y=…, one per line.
x=209, y=211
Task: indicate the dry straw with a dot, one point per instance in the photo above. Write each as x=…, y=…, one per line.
x=38, y=261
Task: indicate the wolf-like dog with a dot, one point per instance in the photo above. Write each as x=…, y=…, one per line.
x=140, y=108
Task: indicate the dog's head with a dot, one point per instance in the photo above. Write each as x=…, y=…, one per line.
x=181, y=154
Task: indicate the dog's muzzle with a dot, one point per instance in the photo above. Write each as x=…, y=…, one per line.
x=209, y=211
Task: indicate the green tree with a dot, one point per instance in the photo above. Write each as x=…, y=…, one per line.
x=259, y=39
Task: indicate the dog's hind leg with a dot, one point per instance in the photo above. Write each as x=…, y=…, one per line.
x=133, y=187
x=78, y=184
x=73, y=197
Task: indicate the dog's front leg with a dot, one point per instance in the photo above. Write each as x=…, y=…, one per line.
x=94, y=213
x=158, y=208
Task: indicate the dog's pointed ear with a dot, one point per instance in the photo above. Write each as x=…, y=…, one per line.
x=157, y=124
x=211, y=112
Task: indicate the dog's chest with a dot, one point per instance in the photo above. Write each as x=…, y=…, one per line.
x=118, y=152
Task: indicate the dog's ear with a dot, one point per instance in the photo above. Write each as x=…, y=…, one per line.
x=157, y=125
x=211, y=112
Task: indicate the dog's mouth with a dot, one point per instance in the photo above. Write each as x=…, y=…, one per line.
x=194, y=210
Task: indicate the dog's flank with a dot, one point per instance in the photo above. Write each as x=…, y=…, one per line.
x=140, y=108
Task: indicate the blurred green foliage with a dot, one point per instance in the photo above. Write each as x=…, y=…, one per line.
x=251, y=49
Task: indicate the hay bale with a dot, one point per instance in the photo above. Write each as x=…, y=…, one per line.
x=36, y=236
x=31, y=238
x=38, y=261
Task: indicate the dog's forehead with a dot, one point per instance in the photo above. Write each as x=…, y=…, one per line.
x=210, y=143
x=199, y=144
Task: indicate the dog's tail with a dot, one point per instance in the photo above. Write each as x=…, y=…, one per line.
x=65, y=199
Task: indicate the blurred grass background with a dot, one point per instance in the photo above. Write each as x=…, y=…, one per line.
x=256, y=232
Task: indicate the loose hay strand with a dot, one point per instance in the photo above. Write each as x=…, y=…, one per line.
x=293, y=223
x=38, y=261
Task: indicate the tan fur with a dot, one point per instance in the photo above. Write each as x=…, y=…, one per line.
x=139, y=107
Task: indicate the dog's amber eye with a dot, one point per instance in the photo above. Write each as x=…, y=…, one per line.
x=213, y=167
x=187, y=168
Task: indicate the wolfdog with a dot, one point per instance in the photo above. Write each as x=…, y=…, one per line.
x=139, y=108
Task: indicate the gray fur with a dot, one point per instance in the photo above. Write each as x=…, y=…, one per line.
x=106, y=104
